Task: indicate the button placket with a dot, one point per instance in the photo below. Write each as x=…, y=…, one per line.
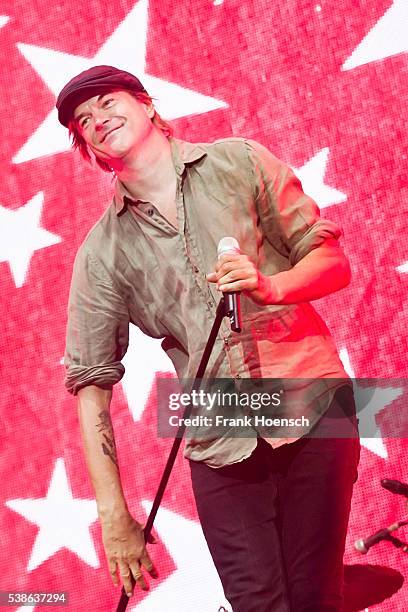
x=181, y=217
x=193, y=256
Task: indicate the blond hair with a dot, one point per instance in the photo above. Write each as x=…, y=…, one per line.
x=78, y=142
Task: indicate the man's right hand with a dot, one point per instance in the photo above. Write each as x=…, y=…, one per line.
x=125, y=549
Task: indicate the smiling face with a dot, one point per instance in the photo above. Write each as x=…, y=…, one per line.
x=114, y=125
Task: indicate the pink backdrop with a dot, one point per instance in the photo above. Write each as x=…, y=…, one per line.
x=324, y=86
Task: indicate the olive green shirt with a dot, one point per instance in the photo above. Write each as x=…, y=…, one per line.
x=135, y=267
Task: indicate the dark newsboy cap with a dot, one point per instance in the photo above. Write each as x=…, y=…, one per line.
x=95, y=81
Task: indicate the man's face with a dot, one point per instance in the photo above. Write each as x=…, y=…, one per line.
x=114, y=125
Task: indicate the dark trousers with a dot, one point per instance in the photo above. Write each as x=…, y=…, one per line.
x=276, y=523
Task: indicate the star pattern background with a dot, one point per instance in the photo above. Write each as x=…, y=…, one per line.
x=323, y=85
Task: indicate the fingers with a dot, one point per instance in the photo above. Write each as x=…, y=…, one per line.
x=241, y=279
x=234, y=272
x=138, y=575
x=145, y=559
x=113, y=570
x=126, y=576
x=241, y=285
x=131, y=573
x=212, y=277
x=147, y=563
x=230, y=259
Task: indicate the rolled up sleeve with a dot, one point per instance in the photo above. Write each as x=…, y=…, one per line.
x=290, y=219
x=98, y=327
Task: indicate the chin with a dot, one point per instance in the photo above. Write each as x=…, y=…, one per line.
x=119, y=147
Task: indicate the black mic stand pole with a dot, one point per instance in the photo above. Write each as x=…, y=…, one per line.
x=222, y=311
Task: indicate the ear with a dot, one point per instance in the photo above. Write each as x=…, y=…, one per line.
x=150, y=110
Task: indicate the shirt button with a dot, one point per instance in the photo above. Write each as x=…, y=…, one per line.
x=226, y=341
x=150, y=212
x=210, y=304
x=196, y=270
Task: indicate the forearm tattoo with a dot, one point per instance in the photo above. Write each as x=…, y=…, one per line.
x=105, y=427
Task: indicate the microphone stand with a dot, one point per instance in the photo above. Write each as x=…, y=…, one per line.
x=397, y=543
x=222, y=311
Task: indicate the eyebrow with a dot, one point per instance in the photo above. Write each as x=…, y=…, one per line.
x=98, y=100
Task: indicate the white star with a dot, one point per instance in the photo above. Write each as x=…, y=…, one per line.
x=3, y=20
x=311, y=176
x=21, y=235
x=183, y=590
x=143, y=359
x=388, y=37
x=403, y=267
x=63, y=521
x=125, y=49
x=369, y=402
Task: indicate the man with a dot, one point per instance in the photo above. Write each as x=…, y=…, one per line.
x=274, y=511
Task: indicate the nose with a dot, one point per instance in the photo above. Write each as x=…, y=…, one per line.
x=100, y=121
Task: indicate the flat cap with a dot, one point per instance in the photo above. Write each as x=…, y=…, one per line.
x=92, y=82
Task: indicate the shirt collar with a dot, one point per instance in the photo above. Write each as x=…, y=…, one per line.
x=182, y=153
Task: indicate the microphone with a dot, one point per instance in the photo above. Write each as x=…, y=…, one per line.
x=232, y=299
x=395, y=486
x=364, y=545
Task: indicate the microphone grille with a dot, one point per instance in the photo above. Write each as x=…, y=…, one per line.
x=228, y=245
x=360, y=546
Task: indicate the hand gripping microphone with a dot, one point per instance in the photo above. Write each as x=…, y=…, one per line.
x=232, y=299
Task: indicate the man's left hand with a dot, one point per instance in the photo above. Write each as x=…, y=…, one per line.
x=236, y=272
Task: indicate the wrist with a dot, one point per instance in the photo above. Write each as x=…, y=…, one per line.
x=270, y=289
x=277, y=287
x=112, y=511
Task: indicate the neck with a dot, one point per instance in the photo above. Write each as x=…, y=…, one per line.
x=146, y=173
